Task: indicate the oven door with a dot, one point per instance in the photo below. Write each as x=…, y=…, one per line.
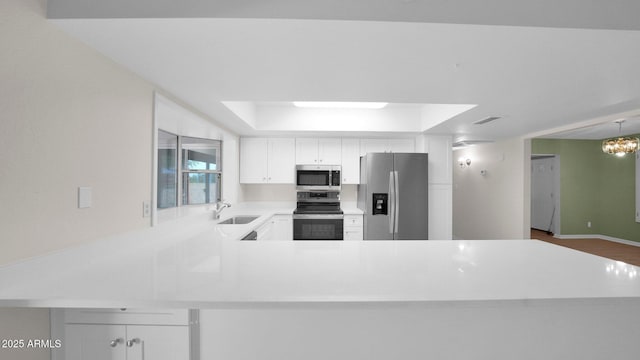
x=318, y=227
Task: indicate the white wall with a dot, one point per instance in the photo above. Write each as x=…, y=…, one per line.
x=24, y=324
x=495, y=205
x=69, y=117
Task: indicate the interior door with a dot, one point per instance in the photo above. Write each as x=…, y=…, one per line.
x=542, y=193
x=413, y=196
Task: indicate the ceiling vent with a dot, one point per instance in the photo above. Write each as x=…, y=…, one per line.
x=486, y=120
x=465, y=143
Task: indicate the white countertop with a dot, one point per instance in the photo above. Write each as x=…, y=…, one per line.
x=194, y=263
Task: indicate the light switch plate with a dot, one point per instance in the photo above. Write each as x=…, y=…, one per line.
x=84, y=197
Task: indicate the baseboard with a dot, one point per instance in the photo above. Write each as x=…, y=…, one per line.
x=598, y=236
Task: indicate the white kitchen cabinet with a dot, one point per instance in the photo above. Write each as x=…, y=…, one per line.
x=267, y=160
x=373, y=145
x=126, y=342
x=326, y=151
x=95, y=342
x=402, y=145
x=157, y=342
x=282, y=227
x=254, y=160
x=265, y=231
x=387, y=145
x=127, y=316
x=277, y=227
x=306, y=151
x=122, y=334
x=353, y=227
x=350, y=161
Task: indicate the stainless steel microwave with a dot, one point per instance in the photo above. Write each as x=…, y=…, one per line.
x=318, y=177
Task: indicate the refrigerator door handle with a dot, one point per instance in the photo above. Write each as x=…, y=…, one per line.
x=392, y=202
x=396, y=195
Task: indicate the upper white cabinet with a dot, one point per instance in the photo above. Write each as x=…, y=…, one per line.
x=273, y=160
x=325, y=151
x=387, y=145
x=267, y=160
x=350, y=161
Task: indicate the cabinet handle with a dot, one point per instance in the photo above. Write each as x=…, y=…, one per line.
x=115, y=342
x=132, y=342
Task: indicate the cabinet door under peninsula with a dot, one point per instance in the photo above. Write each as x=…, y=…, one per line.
x=125, y=334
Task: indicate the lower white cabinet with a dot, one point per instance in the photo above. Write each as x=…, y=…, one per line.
x=122, y=334
x=278, y=227
x=353, y=229
x=282, y=227
x=265, y=231
x=126, y=342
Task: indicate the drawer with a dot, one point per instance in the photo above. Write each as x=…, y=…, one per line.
x=127, y=316
x=353, y=220
x=353, y=233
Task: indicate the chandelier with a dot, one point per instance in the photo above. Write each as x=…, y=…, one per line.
x=620, y=145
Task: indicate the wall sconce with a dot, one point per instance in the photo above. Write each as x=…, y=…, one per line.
x=464, y=162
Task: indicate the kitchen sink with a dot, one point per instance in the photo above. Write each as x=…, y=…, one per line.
x=238, y=220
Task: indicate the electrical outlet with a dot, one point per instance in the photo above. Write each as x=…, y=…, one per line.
x=589, y=224
x=146, y=209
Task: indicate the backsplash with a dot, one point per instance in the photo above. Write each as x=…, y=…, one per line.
x=275, y=192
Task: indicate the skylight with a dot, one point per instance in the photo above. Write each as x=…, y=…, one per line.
x=339, y=105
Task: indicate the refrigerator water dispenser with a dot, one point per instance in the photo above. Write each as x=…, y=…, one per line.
x=380, y=201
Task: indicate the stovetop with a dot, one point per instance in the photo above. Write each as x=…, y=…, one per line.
x=307, y=211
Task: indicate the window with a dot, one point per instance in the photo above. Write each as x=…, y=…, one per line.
x=199, y=166
x=200, y=171
x=167, y=170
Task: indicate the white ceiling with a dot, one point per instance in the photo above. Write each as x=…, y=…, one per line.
x=535, y=77
x=601, y=131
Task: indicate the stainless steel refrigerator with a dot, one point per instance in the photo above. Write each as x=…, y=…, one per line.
x=393, y=193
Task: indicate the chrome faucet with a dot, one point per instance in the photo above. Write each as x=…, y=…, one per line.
x=220, y=205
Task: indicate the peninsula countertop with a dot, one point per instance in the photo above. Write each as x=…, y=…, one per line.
x=194, y=263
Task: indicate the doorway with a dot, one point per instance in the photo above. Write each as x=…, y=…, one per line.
x=545, y=193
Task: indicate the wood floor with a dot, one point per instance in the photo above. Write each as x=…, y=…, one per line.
x=627, y=253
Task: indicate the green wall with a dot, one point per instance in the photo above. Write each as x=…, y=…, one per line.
x=595, y=187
